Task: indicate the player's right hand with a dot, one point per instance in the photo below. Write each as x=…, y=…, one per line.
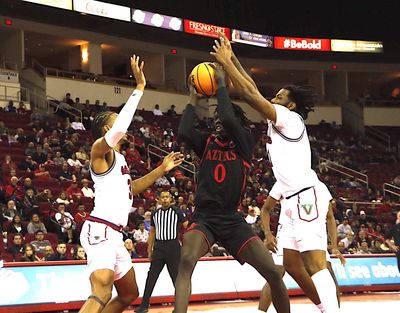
x=270, y=242
x=137, y=69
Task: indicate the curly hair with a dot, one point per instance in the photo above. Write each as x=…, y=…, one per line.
x=304, y=97
x=240, y=114
x=99, y=121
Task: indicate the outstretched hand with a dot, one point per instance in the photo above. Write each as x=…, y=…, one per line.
x=219, y=73
x=271, y=242
x=222, y=50
x=137, y=69
x=172, y=160
x=339, y=255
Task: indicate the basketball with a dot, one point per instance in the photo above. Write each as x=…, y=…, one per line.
x=202, y=78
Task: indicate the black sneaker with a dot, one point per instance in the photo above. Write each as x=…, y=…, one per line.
x=141, y=309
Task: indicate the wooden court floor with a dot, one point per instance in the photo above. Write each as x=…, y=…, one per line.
x=369, y=302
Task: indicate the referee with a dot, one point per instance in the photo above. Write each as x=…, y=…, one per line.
x=163, y=245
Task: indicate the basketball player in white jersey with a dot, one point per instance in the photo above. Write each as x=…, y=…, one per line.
x=109, y=263
x=293, y=265
x=298, y=188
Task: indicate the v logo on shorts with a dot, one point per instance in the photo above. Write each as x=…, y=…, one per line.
x=307, y=208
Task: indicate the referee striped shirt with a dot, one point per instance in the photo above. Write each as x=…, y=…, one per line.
x=166, y=222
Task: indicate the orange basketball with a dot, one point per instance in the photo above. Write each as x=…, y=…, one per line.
x=202, y=77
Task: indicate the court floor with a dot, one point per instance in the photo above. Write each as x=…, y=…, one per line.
x=365, y=303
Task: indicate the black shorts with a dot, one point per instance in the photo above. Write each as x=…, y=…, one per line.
x=232, y=231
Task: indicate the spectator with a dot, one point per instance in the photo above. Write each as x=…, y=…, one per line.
x=68, y=99
x=141, y=235
x=363, y=236
x=80, y=217
x=254, y=206
x=73, y=161
x=29, y=254
x=20, y=136
x=8, y=164
x=16, y=245
x=82, y=155
x=348, y=241
x=41, y=174
x=39, y=156
x=30, y=204
x=147, y=220
x=74, y=192
x=16, y=226
x=45, y=196
x=79, y=253
x=344, y=228
x=28, y=164
x=28, y=185
x=58, y=159
x=218, y=251
x=60, y=254
x=77, y=124
x=86, y=190
x=3, y=129
x=13, y=191
x=65, y=174
x=171, y=111
x=85, y=169
x=63, y=198
x=66, y=222
x=157, y=111
x=10, y=107
x=40, y=243
x=251, y=216
x=10, y=211
x=21, y=108
x=363, y=248
x=35, y=224
x=131, y=249
x=48, y=251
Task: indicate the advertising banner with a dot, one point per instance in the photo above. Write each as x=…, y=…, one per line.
x=157, y=20
x=62, y=4
x=252, y=38
x=356, y=46
x=30, y=285
x=309, y=44
x=103, y=9
x=204, y=29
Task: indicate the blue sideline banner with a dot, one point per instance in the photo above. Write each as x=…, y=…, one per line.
x=27, y=284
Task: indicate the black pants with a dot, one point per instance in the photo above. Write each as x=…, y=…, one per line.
x=164, y=252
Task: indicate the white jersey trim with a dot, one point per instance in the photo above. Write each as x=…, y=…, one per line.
x=106, y=172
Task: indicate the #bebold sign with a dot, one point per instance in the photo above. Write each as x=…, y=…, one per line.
x=308, y=44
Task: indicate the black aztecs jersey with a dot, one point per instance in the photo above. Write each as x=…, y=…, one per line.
x=224, y=161
x=222, y=177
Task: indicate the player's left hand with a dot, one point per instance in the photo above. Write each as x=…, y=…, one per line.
x=172, y=160
x=340, y=256
x=271, y=242
x=223, y=50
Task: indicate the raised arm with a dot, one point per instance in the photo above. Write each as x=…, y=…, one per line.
x=102, y=146
x=232, y=125
x=193, y=137
x=246, y=89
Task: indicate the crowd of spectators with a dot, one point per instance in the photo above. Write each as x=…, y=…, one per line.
x=47, y=188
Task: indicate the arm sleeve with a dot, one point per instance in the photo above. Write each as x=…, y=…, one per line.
x=124, y=119
x=187, y=133
x=240, y=135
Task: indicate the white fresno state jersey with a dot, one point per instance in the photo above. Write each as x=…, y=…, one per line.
x=112, y=192
x=289, y=152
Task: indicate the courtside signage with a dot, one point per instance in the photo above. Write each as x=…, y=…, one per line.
x=204, y=29
x=157, y=20
x=62, y=4
x=103, y=9
x=252, y=38
x=356, y=46
x=308, y=44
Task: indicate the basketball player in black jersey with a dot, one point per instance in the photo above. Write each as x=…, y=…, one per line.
x=225, y=161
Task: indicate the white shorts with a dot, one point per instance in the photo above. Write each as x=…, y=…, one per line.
x=278, y=255
x=105, y=249
x=305, y=229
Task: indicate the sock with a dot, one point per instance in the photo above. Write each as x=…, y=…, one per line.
x=326, y=288
x=321, y=308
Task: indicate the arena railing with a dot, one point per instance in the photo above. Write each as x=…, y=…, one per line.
x=186, y=166
x=390, y=188
x=378, y=136
x=344, y=170
x=65, y=107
